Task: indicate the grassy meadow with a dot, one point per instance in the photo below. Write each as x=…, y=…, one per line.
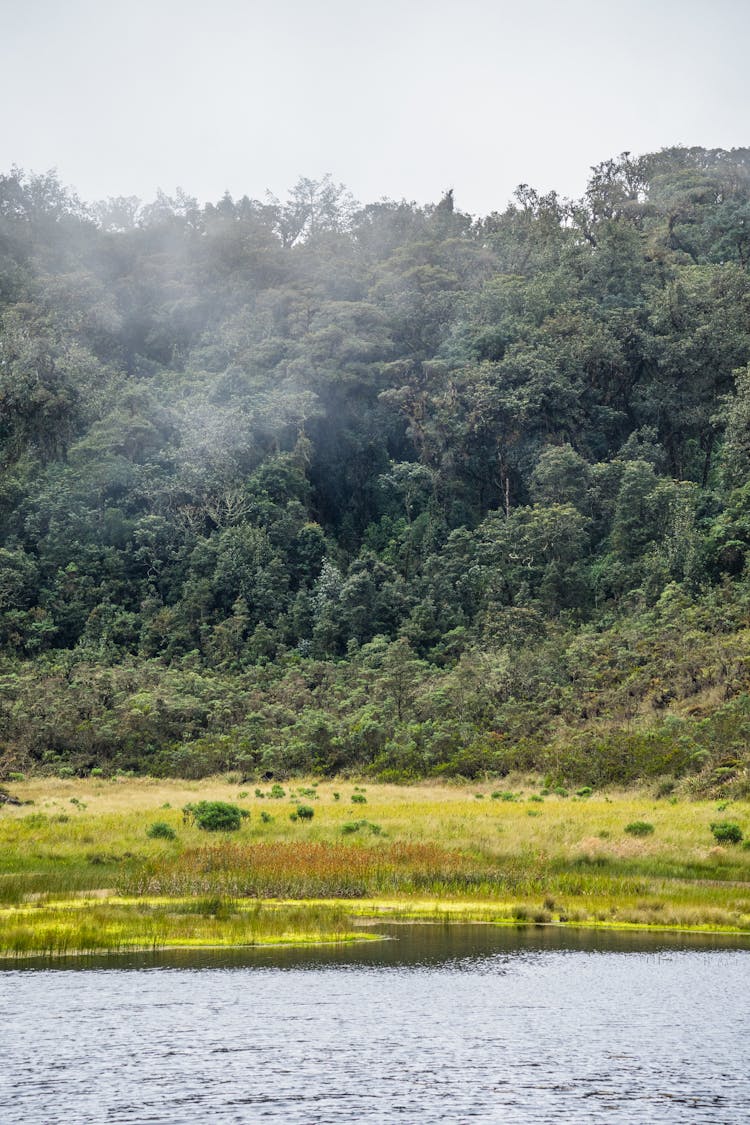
x=83, y=869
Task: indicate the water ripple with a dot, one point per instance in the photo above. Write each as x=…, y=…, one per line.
x=512, y=1035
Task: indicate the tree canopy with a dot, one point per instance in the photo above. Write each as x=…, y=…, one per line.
x=310, y=484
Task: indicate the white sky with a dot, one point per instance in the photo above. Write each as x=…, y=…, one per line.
x=399, y=98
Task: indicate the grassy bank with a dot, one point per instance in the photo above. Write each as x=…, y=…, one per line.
x=85, y=926
x=517, y=854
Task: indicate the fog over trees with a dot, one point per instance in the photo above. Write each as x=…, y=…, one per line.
x=307, y=484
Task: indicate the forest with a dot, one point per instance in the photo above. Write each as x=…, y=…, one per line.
x=309, y=486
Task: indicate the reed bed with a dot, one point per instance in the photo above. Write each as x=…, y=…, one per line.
x=59, y=929
x=310, y=869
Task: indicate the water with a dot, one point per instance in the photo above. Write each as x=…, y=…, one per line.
x=458, y=1024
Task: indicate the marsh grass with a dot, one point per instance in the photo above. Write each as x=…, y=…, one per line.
x=438, y=844
x=57, y=929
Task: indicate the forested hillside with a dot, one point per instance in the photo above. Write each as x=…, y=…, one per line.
x=310, y=485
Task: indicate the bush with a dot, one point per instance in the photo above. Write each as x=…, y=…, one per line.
x=305, y=812
x=727, y=832
x=360, y=825
x=359, y=799
x=215, y=816
x=160, y=830
x=639, y=828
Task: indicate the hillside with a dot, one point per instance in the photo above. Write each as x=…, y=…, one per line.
x=307, y=485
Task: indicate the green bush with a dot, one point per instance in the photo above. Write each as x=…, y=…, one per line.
x=360, y=825
x=160, y=830
x=359, y=799
x=727, y=832
x=215, y=816
x=305, y=812
x=639, y=828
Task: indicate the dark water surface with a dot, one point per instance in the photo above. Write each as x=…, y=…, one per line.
x=458, y=1023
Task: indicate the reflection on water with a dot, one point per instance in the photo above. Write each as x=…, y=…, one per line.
x=438, y=1023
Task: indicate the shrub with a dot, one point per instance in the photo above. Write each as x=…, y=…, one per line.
x=360, y=825
x=160, y=830
x=359, y=799
x=586, y=791
x=277, y=792
x=727, y=832
x=14, y=776
x=639, y=828
x=305, y=812
x=215, y=816
x=266, y=816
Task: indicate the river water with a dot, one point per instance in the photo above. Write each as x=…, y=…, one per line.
x=437, y=1023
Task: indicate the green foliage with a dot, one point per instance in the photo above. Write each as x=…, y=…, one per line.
x=160, y=830
x=727, y=832
x=388, y=491
x=215, y=816
x=639, y=828
x=351, y=826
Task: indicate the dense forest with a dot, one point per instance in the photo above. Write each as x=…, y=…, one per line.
x=307, y=485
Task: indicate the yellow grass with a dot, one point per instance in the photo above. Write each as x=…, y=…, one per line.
x=425, y=850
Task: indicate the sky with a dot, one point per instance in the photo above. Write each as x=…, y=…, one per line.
x=394, y=98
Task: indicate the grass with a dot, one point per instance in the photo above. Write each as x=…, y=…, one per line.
x=439, y=852
x=56, y=929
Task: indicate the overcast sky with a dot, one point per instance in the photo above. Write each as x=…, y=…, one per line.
x=398, y=98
